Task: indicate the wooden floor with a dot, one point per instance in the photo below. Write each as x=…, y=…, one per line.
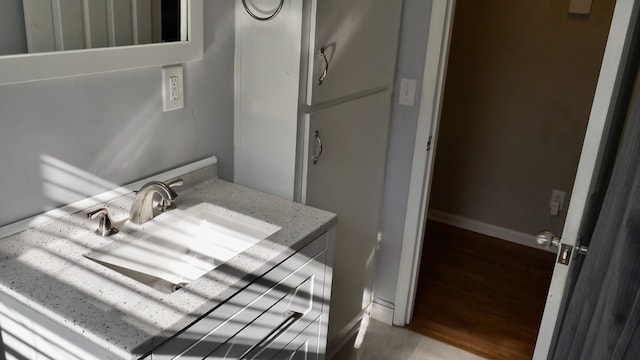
x=481, y=294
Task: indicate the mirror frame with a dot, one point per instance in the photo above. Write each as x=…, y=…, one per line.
x=51, y=65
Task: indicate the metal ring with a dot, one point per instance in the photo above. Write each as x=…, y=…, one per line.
x=316, y=134
x=253, y=15
x=326, y=66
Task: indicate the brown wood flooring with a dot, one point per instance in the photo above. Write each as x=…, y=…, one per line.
x=481, y=294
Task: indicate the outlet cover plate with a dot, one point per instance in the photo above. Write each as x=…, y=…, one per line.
x=172, y=87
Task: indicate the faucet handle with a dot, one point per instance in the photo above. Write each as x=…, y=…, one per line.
x=105, y=225
x=175, y=182
x=166, y=204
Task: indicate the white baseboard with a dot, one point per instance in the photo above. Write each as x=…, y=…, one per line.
x=382, y=313
x=485, y=229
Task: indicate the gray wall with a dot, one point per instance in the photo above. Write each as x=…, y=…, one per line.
x=500, y=151
x=519, y=89
x=402, y=133
x=13, y=38
x=65, y=139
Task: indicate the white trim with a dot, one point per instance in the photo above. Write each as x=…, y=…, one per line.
x=486, y=229
x=440, y=27
x=382, y=313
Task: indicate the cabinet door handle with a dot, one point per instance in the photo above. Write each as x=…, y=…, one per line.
x=292, y=317
x=318, y=149
x=326, y=66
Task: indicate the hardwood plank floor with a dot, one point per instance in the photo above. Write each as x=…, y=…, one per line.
x=481, y=294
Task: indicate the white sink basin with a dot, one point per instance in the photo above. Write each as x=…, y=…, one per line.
x=180, y=246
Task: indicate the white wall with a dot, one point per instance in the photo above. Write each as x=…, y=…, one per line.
x=110, y=128
x=402, y=134
x=13, y=38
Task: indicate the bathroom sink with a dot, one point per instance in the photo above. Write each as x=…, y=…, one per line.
x=180, y=246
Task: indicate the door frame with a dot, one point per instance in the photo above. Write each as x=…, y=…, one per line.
x=421, y=172
x=435, y=69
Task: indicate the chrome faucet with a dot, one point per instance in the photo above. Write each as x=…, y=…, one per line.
x=152, y=199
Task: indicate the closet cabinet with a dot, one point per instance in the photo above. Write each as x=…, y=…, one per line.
x=359, y=39
x=347, y=178
x=313, y=107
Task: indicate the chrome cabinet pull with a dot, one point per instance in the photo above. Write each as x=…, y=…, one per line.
x=292, y=317
x=326, y=66
x=318, y=147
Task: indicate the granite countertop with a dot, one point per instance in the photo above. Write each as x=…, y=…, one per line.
x=44, y=268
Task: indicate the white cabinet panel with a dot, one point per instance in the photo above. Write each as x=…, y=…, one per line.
x=348, y=179
x=267, y=85
x=360, y=38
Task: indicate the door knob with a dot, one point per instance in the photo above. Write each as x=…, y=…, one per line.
x=546, y=239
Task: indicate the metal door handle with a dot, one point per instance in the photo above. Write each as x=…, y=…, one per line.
x=318, y=147
x=546, y=239
x=326, y=66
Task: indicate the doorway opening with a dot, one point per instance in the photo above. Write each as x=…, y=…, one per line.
x=520, y=83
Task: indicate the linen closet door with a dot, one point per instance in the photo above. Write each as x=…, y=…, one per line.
x=353, y=48
x=348, y=179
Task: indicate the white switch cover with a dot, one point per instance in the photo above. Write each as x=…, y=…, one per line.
x=172, y=87
x=407, y=92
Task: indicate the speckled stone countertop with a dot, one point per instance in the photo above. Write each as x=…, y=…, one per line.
x=44, y=268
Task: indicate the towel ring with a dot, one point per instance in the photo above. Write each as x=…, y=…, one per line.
x=253, y=15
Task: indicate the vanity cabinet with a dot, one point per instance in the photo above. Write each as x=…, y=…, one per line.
x=279, y=313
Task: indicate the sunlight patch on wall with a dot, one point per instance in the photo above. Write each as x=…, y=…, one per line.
x=65, y=183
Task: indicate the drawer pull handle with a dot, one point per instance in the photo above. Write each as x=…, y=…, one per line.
x=292, y=317
x=318, y=149
x=325, y=71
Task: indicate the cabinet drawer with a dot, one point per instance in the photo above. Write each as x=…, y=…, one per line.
x=291, y=283
x=305, y=346
x=296, y=307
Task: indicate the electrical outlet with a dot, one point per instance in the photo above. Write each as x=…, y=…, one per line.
x=172, y=87
x=557, y=202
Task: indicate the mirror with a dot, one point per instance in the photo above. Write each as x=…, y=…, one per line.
x=43, y=39
x=33, y=26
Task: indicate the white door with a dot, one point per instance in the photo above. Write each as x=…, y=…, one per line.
x=359, y=42
x=604, y=101
x=345, y=175
x=588, y=167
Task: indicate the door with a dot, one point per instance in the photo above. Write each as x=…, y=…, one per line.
x=581, y=204
x=354, y=48
x=345, y=175
x=603, y=106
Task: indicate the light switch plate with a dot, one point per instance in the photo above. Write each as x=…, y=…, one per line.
x=407, y=92
x=172, y=87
